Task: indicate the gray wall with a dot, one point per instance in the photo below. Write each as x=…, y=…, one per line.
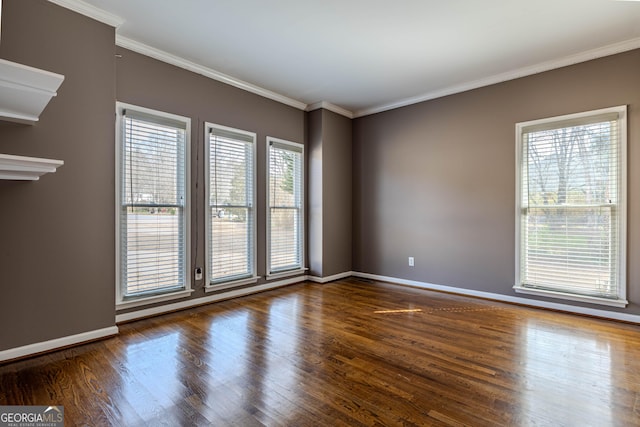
x=57, y=257
x=146, y=82
x=330, y=193
x=336, y=193
x=57, y=234
x=436, y=180
x=314, y=195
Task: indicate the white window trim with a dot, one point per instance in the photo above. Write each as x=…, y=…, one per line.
x=154, y=299
x=571, y=297
x=621, y=301
x=122, y=303
x=243, y=280
x=232, y=284
x=301, y=269
x=286, y=273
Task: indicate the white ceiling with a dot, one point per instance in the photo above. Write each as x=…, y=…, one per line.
x=371, y=55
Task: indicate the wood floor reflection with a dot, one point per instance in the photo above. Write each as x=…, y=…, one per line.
x=345, y=353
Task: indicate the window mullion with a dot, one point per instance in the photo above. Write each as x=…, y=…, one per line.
x=230, y=194
x=570, y=222
x=153, y=223
x=285, y=219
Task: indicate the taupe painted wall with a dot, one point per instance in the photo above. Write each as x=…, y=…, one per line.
x=146, y=82
x=336, y=193
x=330, y=193
x=314, y=195
x=436, y=180
x=57, y=257
x=57, y=234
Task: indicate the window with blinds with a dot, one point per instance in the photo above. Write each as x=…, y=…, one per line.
x=231, y=214
x=572, y=207
x=285, y=206
x=152, y=192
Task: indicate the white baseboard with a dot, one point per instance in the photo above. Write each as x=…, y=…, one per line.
x=330, y=278
x=45, y=346
x=154, y=311
x=41, y=347
x=613, y=315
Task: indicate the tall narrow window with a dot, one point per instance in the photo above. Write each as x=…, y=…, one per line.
x=285, y=200
x=152, y=192
x=231, y=213
x=571, y=210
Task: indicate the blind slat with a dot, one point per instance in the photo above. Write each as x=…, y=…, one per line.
x=285, y=177
x=231, y=198
x=570, y=193
x=153, y=202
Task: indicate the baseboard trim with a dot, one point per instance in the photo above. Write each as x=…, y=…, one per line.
x=56, y=344
x=331, y=278
x=73, y=340
x=587, y=311
x=167, y=308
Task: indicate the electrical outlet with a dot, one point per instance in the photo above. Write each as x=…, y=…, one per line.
x=411, y=262
x=198, y=273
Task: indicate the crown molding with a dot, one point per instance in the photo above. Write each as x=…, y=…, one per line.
x=331, y=107
x=169, y=58
x=90, y=11
x=115, y=21
x=589, y=55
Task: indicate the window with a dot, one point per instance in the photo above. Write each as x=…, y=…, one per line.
x=571, y=207
x=284, y=206
x=152, y=201
x=231, y=214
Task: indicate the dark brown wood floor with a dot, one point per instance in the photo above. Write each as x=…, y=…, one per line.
x=345, y=353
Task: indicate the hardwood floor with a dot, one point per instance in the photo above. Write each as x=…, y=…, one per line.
x=345, y=353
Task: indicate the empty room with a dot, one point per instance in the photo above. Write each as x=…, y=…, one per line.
x=319, y=213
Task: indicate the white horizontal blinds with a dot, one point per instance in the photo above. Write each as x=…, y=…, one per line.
x=231, y=204
x=153, y=202
x=285, y=206
x=570, y=187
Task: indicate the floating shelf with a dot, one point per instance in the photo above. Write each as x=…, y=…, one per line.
x=26, y=168
x=25, y=91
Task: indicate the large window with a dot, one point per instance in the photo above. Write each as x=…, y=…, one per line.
x=152, y=201
x=571, y=206
x=231, y=213
x=285, y=214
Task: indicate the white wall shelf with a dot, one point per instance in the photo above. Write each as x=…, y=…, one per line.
x=25, y=91
x=26, y=168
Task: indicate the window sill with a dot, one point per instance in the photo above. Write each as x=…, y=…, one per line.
x=153, y=299
x=572, y=297
x=232, y=284
x=281, y=274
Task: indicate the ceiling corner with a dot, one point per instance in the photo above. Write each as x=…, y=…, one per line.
x=331, y=107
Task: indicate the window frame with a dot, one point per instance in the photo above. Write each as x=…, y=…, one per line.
x=298, y=269
x=252, y=277
x=122, y=301
x=621, y=206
